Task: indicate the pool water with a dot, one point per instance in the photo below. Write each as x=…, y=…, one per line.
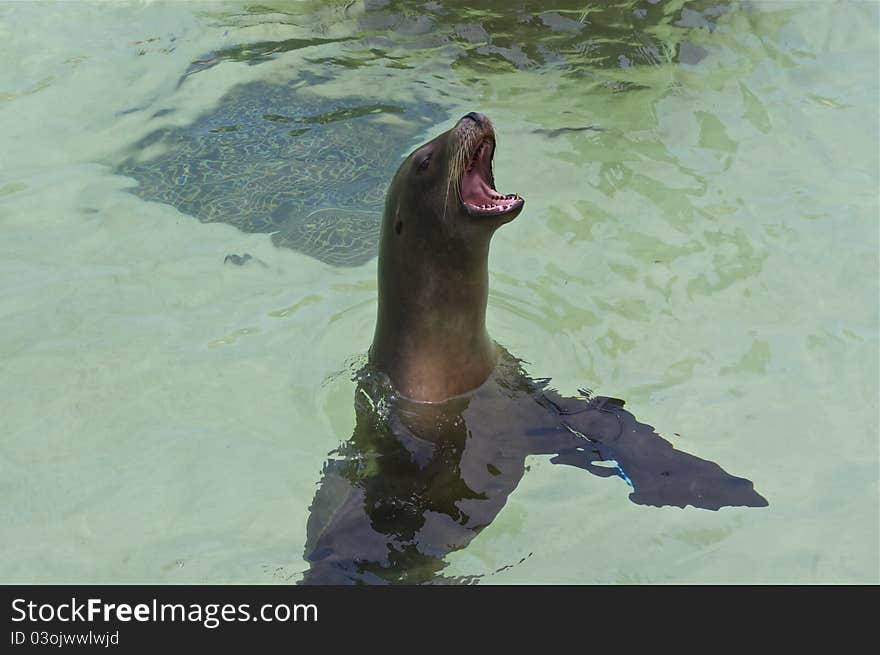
x=700, y=238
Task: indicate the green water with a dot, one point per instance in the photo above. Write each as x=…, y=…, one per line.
x=707, y=250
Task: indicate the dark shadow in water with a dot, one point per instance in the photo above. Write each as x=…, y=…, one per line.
x=417, y=481
x=574, y=36
x=278, y=158
x=252, y=53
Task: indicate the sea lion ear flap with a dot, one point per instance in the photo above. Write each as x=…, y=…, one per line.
x=398, y=220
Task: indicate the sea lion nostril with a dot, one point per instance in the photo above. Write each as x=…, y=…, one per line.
x=475, y=117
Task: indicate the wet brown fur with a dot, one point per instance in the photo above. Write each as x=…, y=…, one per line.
x=431, y=337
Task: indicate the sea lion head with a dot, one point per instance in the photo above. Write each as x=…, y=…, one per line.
x=445, y=189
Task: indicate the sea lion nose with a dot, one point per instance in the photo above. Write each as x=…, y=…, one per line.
x=475, y=117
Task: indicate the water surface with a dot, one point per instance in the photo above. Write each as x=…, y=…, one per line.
x=700, y=238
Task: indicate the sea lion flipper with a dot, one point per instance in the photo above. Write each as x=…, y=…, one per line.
x=659, y=474
x=578, y=459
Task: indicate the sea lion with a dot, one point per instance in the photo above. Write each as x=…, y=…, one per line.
x=445, y=418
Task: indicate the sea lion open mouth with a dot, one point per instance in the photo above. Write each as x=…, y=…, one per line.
x=478, y=194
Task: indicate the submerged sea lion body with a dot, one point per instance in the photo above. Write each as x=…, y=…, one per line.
x=417, y=481
x=445, y=417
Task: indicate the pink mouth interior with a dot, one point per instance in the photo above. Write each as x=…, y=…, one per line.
x=477, y=191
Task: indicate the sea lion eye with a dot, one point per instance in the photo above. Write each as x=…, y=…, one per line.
x=423, y=165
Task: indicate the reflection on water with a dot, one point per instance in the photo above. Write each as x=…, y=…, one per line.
x=574, y=36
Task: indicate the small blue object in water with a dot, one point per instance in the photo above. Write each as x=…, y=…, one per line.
x=623, y=474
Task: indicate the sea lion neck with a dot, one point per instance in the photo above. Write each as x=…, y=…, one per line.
x=431, y=337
